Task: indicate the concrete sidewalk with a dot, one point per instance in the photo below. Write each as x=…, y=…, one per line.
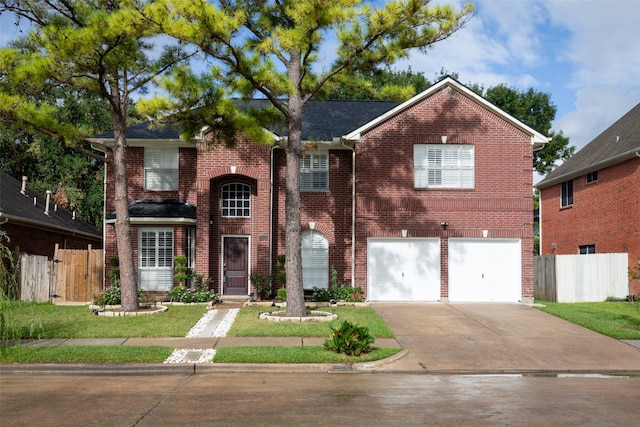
x=441, y=338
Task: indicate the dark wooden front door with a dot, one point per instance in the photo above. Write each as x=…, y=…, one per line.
x=236, y=266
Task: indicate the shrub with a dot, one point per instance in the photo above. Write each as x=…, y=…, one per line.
x=187, y=295
x=282, y=294
x=341, y=292
x=349, y=339
x=114, y=271
x=110, y=296
x=262, y=283
x=180, y=269
x=321, y=294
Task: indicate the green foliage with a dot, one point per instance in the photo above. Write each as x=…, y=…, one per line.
x=341, y=292
x=188, y=295
x=281, y=295
x=180, y=269
x=114, y=273
x=248, y=323
x=321, y=294
x=618, y=320
x=110, y=296
x=85, y=354
x=294, y=354
x=8, y=282
x=46, y=320
x=349, y=339
x=262, y=283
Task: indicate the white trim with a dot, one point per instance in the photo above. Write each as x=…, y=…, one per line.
x=221, y=278
x=537, y=139
x=155, y=220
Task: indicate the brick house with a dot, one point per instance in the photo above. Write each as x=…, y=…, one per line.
x=590, y=203
x=35, y=224
x=425, y=200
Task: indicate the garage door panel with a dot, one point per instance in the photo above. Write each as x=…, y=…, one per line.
x=485, y=270
x=403, y=270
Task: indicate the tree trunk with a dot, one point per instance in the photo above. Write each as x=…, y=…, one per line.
x=293, y=256
x=128, y=282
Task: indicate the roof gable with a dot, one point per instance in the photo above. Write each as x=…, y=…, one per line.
x=619, y=142
x=29, y=208
x=537, y=139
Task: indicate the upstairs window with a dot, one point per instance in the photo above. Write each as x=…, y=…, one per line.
x=567, y=193
x=314, y=172
x=592, y=177
x=161, y=169
x=443, y=166
x=236, y=200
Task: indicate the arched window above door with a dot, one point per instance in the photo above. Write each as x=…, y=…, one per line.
x=236, y=200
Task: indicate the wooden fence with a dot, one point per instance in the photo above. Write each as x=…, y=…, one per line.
x=72, y=275
x=580, y=278
x=35, y=278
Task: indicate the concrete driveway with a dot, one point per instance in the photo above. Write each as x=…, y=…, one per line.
x=492, y=337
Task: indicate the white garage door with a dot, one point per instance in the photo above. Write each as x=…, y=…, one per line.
x=403, y=269
x=485, y=270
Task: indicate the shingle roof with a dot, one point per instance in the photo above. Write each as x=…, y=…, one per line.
x=158, y=208
x=617, y=143
x=29, y=208
x=321, y=120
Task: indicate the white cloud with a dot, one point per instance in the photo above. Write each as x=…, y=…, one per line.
x=597, y=107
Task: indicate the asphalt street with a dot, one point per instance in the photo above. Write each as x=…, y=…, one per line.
x=315, y=399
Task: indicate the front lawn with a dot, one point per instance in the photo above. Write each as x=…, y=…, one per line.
x=25, y=320
x=248, y=324
x=620, y=320
x=297, y=354
x=85, y=354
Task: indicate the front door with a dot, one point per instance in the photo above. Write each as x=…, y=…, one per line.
x=235, y=266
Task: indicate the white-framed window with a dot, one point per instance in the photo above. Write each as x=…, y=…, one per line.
x=155, y=264
x=314, y=172
x=236, y=200
x=191, y=252
x=315, y=260
x=443, y=166
x=161, y=169
x=566, y=193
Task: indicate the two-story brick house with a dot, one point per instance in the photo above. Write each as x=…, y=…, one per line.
x=590, y=203
x=425, y=200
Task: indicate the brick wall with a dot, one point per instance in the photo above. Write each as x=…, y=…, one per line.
x=37, y=241
x=605, y=213
x=501, y=201
x=330, y=211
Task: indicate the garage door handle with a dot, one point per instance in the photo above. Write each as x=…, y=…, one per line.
x=403, y=274
x=483, y=275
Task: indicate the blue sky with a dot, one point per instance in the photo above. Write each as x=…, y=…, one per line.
x=584, y=53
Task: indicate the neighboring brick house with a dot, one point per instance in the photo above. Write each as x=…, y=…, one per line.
x=35, y=225
x=430, y=199
x=591, y=203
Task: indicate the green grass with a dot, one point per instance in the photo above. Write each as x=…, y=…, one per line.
x=44, y=320
x=295, y=354
x=248, y=324
x=85, y=354
x=618, y=320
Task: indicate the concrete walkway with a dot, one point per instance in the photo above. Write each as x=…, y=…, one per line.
x=435, y=338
